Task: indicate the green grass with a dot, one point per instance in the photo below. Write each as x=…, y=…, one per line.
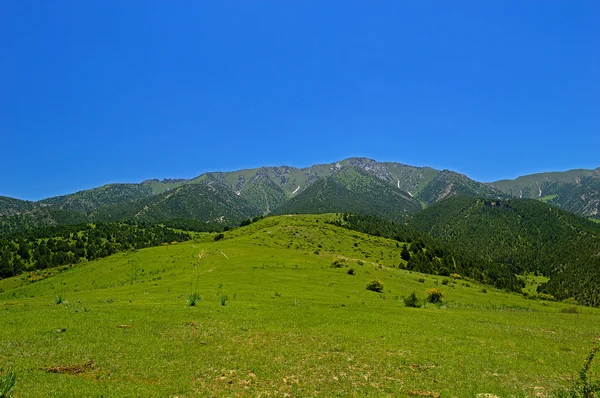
x=532, y=282
x=548, y=198
x=292, y=324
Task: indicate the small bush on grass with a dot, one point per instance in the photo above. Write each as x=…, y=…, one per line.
x=422, y=280
x=445, y=282
x=59, y=300
x=375, y=286
x=434, y=295
x=546, y=296
x=412, y=300
x=224, y=300
x=351, y=271
x=7, y=382
x=338, y=263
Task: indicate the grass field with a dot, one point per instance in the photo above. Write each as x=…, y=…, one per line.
x=276, y=319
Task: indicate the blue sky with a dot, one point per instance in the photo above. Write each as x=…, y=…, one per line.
x=108, y=91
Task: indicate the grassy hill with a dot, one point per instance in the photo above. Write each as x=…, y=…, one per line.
x=280, y=314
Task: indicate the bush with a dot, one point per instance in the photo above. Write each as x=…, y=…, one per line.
x=422, y=280
x=445, y=282
x=351, y=271
x=434, y=295
x=59, y=300
x=412, y=300
x=375, y=285
x=338, y=263
x=224, y=300
x=546, y=296
x=219, y=237
x=484, y=290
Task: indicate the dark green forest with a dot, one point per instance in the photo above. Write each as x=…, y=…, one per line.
x=432, y=256
x=522, y=235
x=48, y=247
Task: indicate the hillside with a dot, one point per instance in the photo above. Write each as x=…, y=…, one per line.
x=10, y=206
x=39, y=216
x=352, y=191
x=263, y=191
x=576, y=191
x=523, y=235
x=393, y=190
x=279, y=313
x=205, y=201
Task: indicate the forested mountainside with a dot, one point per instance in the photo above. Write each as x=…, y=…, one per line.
x=522, y=235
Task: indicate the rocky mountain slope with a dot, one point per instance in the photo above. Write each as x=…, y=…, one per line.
x=388, y=189
x=577, y=191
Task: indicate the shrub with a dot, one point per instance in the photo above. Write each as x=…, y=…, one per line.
x=412, y=300
x=59, y=300
x=219, y=237
x=7, y=383
x=351, y=271
x=224, y=300
x=375, y=285
x=422, y=280
x=546, y=296
x=434, y=295
x=445, y=282
x=338, y=263
x=484, y=290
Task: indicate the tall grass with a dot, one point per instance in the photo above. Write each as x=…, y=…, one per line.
x=7, y=382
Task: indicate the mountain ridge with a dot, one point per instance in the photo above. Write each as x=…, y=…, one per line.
x=268, y=188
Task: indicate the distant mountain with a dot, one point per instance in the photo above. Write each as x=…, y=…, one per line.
x=576, y=191
x=522, y=235
x=351, y=190
x=91, y=199
x=207, y=201
x=10, y=206
x=390, y=190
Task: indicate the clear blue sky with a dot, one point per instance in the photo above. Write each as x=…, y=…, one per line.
x=108, y=91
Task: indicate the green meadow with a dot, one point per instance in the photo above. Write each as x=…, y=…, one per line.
x=278, y=314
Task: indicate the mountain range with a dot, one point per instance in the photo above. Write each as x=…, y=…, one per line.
x=386, y=189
